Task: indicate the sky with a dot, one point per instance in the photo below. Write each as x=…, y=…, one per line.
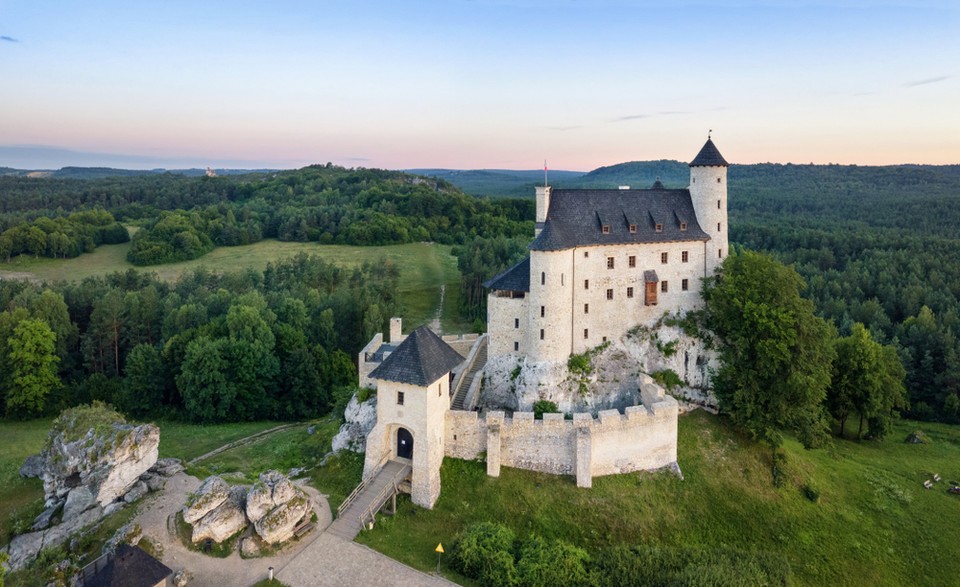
x=470, y=84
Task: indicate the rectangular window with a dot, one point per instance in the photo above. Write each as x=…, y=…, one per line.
x=439, y=391
x=543, y=278
x=658, y=228
x=720, y=253
x=685, y=256
x=609, y=294
x=606, y=229
x=629, y=292
x=718, y=204
x=516, y=346
x=609, y=262
x=586, y=284
x=663, y=286
x=516, y=323
x=586, y=254
x=663, y=258
x=586, y=333
x=543, y=311
x=684, y=284
x=633, y=229
x=683, y=226
x=541, y=334
x=718, y=227
x=399, y=398
x=586, y=308
x=632, y=261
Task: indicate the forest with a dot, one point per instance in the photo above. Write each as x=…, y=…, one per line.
x=877, y=246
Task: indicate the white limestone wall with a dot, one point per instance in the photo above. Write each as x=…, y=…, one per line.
x=641, y=439
x=610, y=319
x=549, y=306
x=364, y=367
x=423, y=413
x=708, y=187
x=507, y=323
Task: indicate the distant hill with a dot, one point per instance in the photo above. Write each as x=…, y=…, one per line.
x=105, y=172
x=498, y=182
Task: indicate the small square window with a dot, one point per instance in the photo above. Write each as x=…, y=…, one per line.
x=633, y=229
x=586, y=254
x=399, y=398
x=586, y=284
x=718, y=180
x=609, y=294
x=683, y=226
x=663, y=258
x=516, y=346
x=629, y=292
x=586, y=308
x=658, y=228
x=586, y=333
x=685, y=256
x=663, y=286
x=606, y=229
x=609, y=262
x=632, y=261
x=541, y=334
x=684, y=284
x=604, y=339
x=516, y=323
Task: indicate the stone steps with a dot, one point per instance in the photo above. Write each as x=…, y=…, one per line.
x=479, y=363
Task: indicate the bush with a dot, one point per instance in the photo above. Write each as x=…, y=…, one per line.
x=542, y=407
x=544, y=564
x=811, y=492
x=667, y=378
x=485, y=552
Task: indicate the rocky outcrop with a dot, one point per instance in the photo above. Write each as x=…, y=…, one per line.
x=24, y=548
x=275, y=506
x=359, y=419
x=273, y=489
x=223, y=521
x=32, y=467
x=212, y=492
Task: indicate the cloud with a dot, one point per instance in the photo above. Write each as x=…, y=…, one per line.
x=360, y=159
x=929, y=80
x=630, y=117
x=8, y=39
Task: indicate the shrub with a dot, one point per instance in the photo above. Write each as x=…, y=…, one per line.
x=542, y=407
x=667, y=378
x=544, y=564
x=811, y=492
x=484, y=552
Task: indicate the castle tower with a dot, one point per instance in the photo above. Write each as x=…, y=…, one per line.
x=549, y=336
x=543, y=205
x=708, y=191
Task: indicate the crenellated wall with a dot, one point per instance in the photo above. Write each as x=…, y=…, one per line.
x=643, y=438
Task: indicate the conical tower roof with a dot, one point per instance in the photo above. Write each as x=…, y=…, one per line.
x=709, y=156
x=420, y=359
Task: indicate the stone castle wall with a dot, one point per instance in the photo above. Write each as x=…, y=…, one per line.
x=643, y=438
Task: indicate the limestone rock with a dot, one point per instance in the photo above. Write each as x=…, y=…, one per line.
x=154, y=482
x=359, y=420
x=249, y=547
x=136, y=492
x=223, y=521
x=44, y=520
x=113, y=507
x=273, y=489
x=127, y=534
x=278, y=525
x=24, y=549
x=168, y=467
x=32, y=467
x=211, y=493
x=79, y=500
x=181, y=578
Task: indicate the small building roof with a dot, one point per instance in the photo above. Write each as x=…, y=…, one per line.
x=420, y=359
x=709, y=156
x=130, y=567
x=516, y=278
x=574, y=218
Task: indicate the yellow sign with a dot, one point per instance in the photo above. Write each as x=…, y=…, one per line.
x=439, y=548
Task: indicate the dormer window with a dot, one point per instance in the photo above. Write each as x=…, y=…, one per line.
x=683, y=226
x=633, y=229
x=658, y=228
x=606, y=229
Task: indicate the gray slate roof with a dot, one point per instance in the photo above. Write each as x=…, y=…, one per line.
x=576, y=218
x=130, y=567
x=516, y=278
x=708, y=156
x=420, y=359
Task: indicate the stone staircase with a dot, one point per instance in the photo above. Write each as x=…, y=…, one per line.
x=479, y=362
x=368, y=498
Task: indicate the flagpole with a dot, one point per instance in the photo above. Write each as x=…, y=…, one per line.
x=544, y=173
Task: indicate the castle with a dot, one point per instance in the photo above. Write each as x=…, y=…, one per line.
x=603, y=261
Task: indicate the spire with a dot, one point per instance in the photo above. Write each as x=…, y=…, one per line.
x=709, y=156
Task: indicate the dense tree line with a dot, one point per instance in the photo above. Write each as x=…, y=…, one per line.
x=59, y=236
x=237, y=346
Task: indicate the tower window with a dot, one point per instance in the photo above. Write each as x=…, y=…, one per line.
x=516, y=346
x=586, y=254
x=663, y=286
x=718, y=180
x=543, y=278
x=543, y=311
x=516, y=323
x=439, y=391
x=629, y=292
x=684, y=284
x=658, y=228
x=718, y=227
x=632, y=261
x=683, y=226
x=609, y=294
x=541, y=334
x=609, y=262
x=633, y=229
x=606, y=229
x=718, y=204
x=586, y=284
x=663, y=258
x=684, y=256
x=399, y=398
x=586, y=308
x=561, y=279
x=720, y=253
x=586, y=333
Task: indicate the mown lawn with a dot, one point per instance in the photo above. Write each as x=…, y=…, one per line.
x=424, y=269
x=19, y=495
x=873, y=521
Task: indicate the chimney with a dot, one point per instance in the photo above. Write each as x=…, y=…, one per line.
x=396, y=329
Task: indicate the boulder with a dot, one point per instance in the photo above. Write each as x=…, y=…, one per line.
x=130, y=533
x=223, y=521
x=113, y=507
x=136, y=492
x=272, y=490
x=168, y=467
x=154, y=482
x=181, y=578
x=79, y=500
x=210, y=495
x=44, y=520
x=249, y=547
x=359, y=420
x=24, y=549
x=32, y=467
x=278, y=525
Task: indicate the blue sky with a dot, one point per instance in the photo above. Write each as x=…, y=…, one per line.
x=476, y=84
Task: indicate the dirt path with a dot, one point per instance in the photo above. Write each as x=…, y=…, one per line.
x=435, y=324
x=241, y=442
